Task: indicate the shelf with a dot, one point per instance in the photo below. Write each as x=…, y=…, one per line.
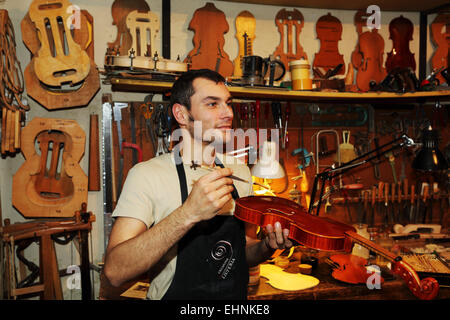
x=135, y=85
x=385, y=5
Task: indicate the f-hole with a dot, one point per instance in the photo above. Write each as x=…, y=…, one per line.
x=62, y=35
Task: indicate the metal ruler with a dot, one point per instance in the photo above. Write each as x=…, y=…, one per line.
x=107, y=171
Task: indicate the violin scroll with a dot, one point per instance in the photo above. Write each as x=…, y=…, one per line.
x=425, y=289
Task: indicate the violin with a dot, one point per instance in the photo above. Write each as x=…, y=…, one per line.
x=325, y=234
x=400, y=32
x=209, y=25
x=329, y=32
x=368, y=55
x=350, y=268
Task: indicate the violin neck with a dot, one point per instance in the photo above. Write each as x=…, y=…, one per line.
x=371, y=245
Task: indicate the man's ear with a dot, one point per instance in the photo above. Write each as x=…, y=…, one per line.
x=180, y=114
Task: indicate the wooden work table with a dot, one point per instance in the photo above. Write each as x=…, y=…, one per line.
x=393, y=288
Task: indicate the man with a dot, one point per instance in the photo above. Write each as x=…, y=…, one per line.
x=175, y=217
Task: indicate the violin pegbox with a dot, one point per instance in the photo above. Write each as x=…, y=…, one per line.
x=50, y=183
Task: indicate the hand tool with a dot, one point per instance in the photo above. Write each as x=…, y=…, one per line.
x=372, y=202
x=366, y=194
x=380, y=198
x=387, y=216
x=411, y=206
x=117, y=112
x=419, y=195
x=423, y=214
x=393, y=217
x=391, y=158
x=399, y=202
x=433, y=199
x=406, y=203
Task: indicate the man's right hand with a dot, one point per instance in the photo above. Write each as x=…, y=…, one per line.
x=209, y=194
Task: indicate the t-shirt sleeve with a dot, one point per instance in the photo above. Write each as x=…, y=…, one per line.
x=135, y=200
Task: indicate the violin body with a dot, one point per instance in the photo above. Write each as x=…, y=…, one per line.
x=400, y=32
x=304, y=228
x=329, y=32
x=209, y=25
x=367, y=58
x=324, y=234
x=350, y=268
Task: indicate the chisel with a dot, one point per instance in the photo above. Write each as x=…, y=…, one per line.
x=424, y=202
x=405, y=206
x=411, y=206
x=380, y=197
x=386, y=206
x=374, y=194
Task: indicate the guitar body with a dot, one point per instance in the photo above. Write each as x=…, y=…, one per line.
x=61, y=94
x=209, y=25
x=290, y=21
x=50, y=183
x=440, y=34
x=245, y=34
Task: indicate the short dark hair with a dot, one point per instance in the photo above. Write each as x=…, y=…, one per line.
x=183, y=90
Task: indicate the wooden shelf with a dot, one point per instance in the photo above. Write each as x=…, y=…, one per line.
x=385, y=5
x=135, y=85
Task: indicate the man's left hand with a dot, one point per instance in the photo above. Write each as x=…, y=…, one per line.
x=277, y=238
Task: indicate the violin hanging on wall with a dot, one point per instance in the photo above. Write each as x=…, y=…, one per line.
x=62, y=72
x=245, y=34
x=50, y=183
x=329, y=32
x=325, y=234
x=401, y=33
x=440, y=34
x=209, y=25
x=367, y=57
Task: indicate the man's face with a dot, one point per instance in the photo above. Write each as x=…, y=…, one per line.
x=211, y=104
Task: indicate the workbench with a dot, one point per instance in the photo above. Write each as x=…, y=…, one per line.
x=393, y=288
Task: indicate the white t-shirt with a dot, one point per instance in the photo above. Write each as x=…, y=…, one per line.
x=152, y=191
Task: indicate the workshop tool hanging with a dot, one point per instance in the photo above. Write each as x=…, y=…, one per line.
x=161, y=129
x=117, y=112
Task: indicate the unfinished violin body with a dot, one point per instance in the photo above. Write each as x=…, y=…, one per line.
x=367, y=58
x=324, y=234
x=209, y=25
x=50, y=183
x=440, y=34
x=400, y=32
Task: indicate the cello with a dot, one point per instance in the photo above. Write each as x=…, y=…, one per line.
x=400, y=32
x=325, y=234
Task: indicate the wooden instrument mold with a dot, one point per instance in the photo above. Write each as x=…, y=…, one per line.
x=325, y=234
x=367, y=58
x=209, y=25
x=143, y=28
x=400, y=32
x=293, y=21
x=62, y=72
x=50, y=183
x=329, y=32
x=245, y=34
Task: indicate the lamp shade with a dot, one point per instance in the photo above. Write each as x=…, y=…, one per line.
x=267, y=166
x=429, y=157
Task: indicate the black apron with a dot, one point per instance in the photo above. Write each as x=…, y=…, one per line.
x=211, y=261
